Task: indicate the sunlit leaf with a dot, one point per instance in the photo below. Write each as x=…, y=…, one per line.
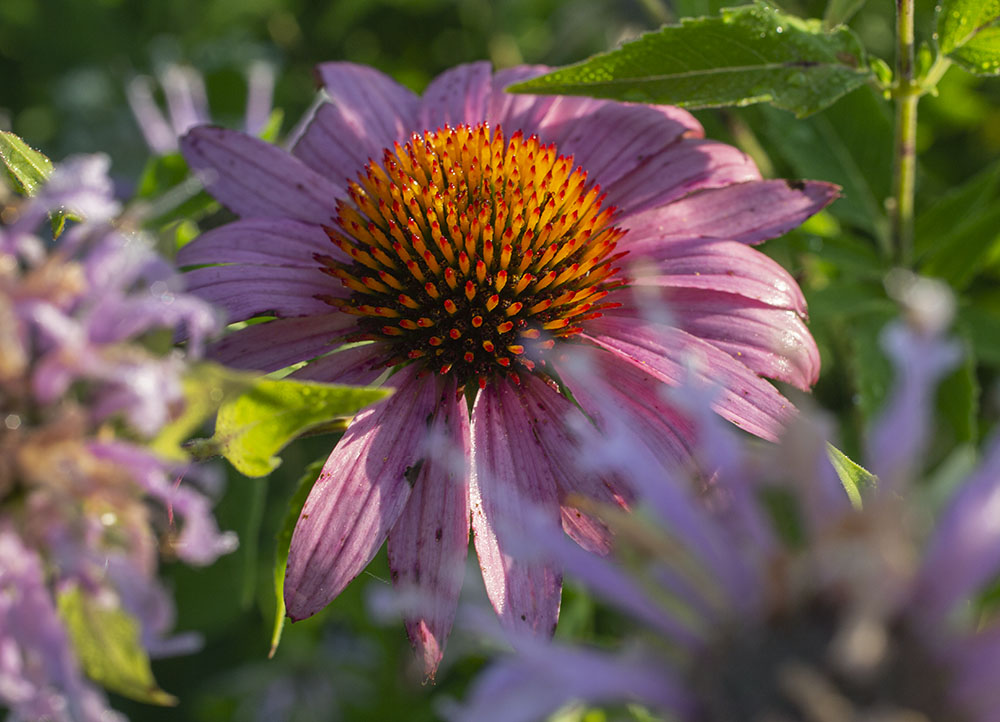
x=206, y=387
x=252, y=428
x=749, y=54
x=969, y=33
x=108, y=644
x=855, y=478
x=284, y=543
x=27, y=167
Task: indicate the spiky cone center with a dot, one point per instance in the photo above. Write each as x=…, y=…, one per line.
x=473, y=255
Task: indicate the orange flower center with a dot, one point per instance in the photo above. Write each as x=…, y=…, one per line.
x=471, y=254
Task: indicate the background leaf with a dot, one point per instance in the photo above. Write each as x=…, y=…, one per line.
x=108, y=644
x=749, y=54
x=969, y=33
x=252, y=428
x=27, y=167
x=855, y=478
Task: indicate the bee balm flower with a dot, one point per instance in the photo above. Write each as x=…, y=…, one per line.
x=470, y=237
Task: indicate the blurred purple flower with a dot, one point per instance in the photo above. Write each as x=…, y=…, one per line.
x=79, y=395
x=858, y=615
x=471, y=253
x=187, y=104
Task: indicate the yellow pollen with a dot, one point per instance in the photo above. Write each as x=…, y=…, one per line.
x=490, y=240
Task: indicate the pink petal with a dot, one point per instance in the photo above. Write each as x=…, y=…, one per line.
x=613, y=139
x=264, y=241
x=254, y=178
x=360, y=365
x=276, y=344
x=246, y=291
x=368, y=113
x=719, y=266
x=457, y=96
x=514, y=111
x=359, y=495
x=772, y=342
x=748, y=212
x=428, y=545
x=512, y=480
x=551, y=415
x=662, y=351
x=681, y=168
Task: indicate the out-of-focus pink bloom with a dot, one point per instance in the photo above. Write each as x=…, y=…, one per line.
x=75, y=501
x=187, y=104
x=473, y=237
x=860, y=615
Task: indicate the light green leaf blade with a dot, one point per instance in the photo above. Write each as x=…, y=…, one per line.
x=107, y=642
x=958, y=21
x=749, y=54
x=27, y=167
x=206, y=387
x=981, y=55
x=252, y=428
x=284, y=543
x=855, y=478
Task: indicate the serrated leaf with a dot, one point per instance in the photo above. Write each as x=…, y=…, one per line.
x=749, y=54
x=206, y=387
x=252, y=428
x=284, y=544
x=856, y=479
x=27, y=167
x=108, y=645
x=969, y=33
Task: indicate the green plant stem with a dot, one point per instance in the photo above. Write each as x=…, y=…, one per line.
x=907, y=94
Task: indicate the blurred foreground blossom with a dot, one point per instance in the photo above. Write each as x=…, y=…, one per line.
x=84, y=506
x=849, y=614
x=469, y=238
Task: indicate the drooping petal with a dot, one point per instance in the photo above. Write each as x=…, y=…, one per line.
x=247, y=291
x=276, y=344
x=369, y=112
x=512, y=477
x=458, y=95
x=254, y=178
x=359, y=495
x=680, y=169
x=428, y=545
x=748, y=212
x=553, y=416
x=665, y=352
x=262, y=241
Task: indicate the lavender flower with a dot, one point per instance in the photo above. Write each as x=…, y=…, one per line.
x=79, y=395
x=458, y=236
x=854, y=614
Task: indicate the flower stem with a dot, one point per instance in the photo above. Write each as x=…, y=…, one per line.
x=907, y=94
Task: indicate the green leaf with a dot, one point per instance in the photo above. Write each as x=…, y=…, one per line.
x=956, y=208
x=107, y=643
x=969, y=33
x=834, y=146
x=870, y=370
x=856, y=479
x=750, y=54
x=958, y=399
x=27, y=167
x=206, y=387
x=284, y=543
x=252, y=428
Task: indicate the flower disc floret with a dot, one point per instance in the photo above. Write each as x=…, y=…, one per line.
x=472, y=253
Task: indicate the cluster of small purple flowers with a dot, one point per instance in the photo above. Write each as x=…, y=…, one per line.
x=86, y=508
